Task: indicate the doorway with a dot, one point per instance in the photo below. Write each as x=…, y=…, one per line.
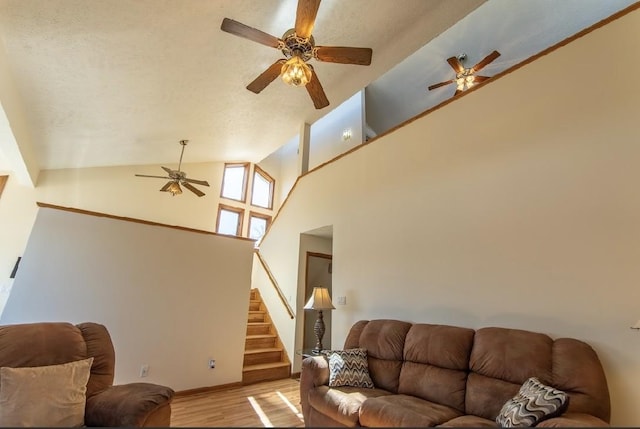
x=318, y=273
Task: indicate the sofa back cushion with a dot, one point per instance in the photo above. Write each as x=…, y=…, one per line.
x=384, y=341
x=436, y=361
x=501, y=360
x=578, y=372
x=47, y=343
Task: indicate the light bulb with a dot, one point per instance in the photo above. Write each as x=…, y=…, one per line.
x=174, y=188
x=296, y=72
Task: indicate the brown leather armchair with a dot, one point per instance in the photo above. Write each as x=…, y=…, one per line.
x=41, y=344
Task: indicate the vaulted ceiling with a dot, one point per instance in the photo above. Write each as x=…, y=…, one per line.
x=120, y=82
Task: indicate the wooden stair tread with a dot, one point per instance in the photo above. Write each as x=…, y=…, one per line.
x=256, y=311
x=259, y=323
x=256, y=336
x=269, y=365
x=263, y=350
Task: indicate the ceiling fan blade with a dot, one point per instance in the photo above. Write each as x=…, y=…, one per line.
x=306, y=17
x=157, y=177
x=197, y=182
x=455, y=64
x=344, y=55
x=314, y=88
x=266, y=77
x=492, y=56
x=193, y=189
x=438, y=85
x=165, y=188
x=479, y=79
x=242, y=30
x=167, y=169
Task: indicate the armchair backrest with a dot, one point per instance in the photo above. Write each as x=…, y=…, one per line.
x=53, y=343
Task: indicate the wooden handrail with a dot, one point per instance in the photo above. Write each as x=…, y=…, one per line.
x=274, y=283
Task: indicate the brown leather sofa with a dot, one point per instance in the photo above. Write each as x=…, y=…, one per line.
x=41, y=344
x=437, y=375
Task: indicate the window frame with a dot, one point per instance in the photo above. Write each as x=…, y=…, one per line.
x=3, y=182
x=258, y=215
x=268, y=178
x=238, y=210
x=245, y=181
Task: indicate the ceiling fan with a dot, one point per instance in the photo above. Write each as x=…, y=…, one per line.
x=298, y=47
x=466, y=77
x=177, y=178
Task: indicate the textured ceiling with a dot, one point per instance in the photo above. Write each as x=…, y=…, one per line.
x=120, y=82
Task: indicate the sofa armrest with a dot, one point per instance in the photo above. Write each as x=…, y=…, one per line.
x=573, y=420
x=315, y=372
x=134, y=404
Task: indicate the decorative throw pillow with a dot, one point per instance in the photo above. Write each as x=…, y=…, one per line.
x=44, y=396
x=348, y=368
x=534, y=403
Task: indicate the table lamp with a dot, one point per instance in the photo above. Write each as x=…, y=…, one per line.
x=320, y=300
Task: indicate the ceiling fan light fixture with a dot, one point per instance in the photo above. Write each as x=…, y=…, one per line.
x=174, y=188
x=296, y=72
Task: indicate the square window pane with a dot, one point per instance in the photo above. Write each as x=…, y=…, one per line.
x=233, y=182
x=228, y=222
x=258, y=227
x=261, y=191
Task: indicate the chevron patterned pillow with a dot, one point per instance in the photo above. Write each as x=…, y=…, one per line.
x=348, y=368
x=534, y=403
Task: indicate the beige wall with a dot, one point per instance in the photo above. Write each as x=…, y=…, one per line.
x=516, y=205
x=171, y=299
x=17, y=214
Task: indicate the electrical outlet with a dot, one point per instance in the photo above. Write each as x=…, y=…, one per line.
x=144, y=370
x=212, y=363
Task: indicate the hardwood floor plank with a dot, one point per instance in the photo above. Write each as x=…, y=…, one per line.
x=274, y=403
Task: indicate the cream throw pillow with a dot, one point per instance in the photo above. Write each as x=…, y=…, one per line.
x=45, y=396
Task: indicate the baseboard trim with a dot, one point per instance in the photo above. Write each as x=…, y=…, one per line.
x=207, y=389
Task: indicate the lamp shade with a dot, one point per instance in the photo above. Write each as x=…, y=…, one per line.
x=320, y=300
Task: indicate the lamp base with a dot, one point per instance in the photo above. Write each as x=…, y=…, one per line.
x=318, y=328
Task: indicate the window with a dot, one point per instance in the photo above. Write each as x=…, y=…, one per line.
x=229, y=220
x=262, y=190
x=234, y=181
x=258, y=224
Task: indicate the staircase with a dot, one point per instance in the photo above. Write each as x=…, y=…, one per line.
x=264, y=355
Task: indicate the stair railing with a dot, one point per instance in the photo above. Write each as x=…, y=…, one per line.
x=274, y=283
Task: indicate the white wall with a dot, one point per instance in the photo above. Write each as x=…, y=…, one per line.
x=516, y=205
x=17, y=214
x=326, y=134
x=116, y=190
x=170, y=298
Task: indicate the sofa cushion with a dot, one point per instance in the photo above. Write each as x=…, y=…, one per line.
x=45, y=396
x=348, y=368
x=534, y=402
x=342, y=404
x=49, y=343
x=404, y=411
x=501, y=360
x=577, y=371
x=436, y=363
x=469, y=421
x=384, y=341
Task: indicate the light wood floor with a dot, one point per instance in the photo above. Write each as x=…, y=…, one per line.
x=267, y=404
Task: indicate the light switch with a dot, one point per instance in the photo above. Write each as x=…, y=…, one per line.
x=342, y=300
